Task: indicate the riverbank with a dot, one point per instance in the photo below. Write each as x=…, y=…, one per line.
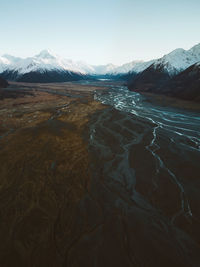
x=166, y=101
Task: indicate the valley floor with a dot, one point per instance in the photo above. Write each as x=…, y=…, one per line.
x=85, y=184
x=44, y=170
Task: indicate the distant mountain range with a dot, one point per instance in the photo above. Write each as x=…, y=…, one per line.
x=173, y=63
x=44, y=67
x=173, y=74
x=47, y=61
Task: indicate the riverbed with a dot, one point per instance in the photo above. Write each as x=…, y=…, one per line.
x=94, y=175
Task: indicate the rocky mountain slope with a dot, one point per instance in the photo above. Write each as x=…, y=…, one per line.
x=172, y=63
x=185, y=85
x=149, y=79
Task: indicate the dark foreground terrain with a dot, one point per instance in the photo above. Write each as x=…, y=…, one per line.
x=3, y=83
x=87, y=184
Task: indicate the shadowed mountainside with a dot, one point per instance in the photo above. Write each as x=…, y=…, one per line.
x=185, y=85
x=149, y=80
x=43, y=77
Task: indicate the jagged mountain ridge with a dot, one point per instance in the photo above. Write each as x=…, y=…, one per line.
x=44, y=67
x=179, y=60
x=171, y=75
x=46, y=61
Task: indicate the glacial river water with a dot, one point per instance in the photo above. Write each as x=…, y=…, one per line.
x=147, y=158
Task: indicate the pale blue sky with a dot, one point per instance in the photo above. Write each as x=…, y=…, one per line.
x=99, y=31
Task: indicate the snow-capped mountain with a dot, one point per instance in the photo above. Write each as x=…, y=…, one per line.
x=4, y=64
x=178, y=60
x=173, y=63
x=103, y=69
x=134, y=66
x=159, y=74
x=46, y=61
x=184, y=85
x=8, y=62
x=43, y=67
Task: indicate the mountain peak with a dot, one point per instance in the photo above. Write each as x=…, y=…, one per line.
x=46, y=54
x=197, y=46
x=177, y=51
x=195, y=50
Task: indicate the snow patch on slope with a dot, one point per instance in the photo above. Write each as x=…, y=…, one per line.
x=179, y=59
